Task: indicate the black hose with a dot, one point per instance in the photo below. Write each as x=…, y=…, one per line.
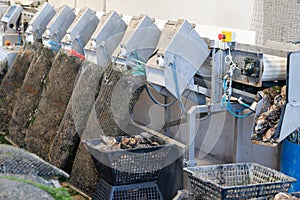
x=156, y=101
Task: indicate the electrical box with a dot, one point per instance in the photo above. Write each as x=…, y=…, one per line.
x=227, y=36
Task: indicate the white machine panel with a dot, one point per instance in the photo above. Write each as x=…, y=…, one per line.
x=58, y=26
x=180, y=50
x=39, y=22
x=139, y=41
x=106, y=38
x=12, y=14
x=81, y=30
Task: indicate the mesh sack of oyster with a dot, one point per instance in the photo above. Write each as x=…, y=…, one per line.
x=266, y=121
x=142, y=140
x=14, y=160
x=12, y=82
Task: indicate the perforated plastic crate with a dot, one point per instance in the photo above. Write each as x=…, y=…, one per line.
x=139, y=191
x=119, y=167
x=236, y=181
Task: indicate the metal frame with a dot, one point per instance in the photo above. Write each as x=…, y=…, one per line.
x=292, y=109
x=290, y=120
x=216, y=96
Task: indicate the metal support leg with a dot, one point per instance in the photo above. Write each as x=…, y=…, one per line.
x=167, y=118
x=191, y=122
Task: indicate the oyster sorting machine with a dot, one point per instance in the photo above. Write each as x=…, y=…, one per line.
x=223, y=75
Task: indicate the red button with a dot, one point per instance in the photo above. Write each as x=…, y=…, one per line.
x=221, y=36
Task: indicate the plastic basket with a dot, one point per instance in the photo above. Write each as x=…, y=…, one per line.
x=140, y=191
x=236, y=181
x=118, y=167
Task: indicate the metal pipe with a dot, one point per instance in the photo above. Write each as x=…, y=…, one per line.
x=104, y=6
x=217, y=72
x=167, y=118
x=238, y=124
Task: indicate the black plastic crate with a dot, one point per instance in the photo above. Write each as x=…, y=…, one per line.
x=118, y=167
x=139, y=191
x=236, y=181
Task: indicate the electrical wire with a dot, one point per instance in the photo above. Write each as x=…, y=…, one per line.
x=224, y=84
x=137, y=66
x=173, y=66
x=246, y=105
x=229, y=61
x=204, y=75
x=55, y=46
x=204, y=118
x=139, y=70
x=156, y=101
x=186, y=98
x=233, y=112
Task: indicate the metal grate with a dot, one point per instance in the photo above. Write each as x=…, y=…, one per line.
x=236, y=181
x=276, y=20
x=119, y=167
x=17, y=161
x=140, y=191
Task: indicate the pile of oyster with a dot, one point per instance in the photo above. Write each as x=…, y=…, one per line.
x=142, y=140
x=284, y=196
x=267, y=121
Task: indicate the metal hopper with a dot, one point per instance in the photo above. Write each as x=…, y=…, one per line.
x=80, y=32
x=39, y=22
x=57, y=27
x=106, y=38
